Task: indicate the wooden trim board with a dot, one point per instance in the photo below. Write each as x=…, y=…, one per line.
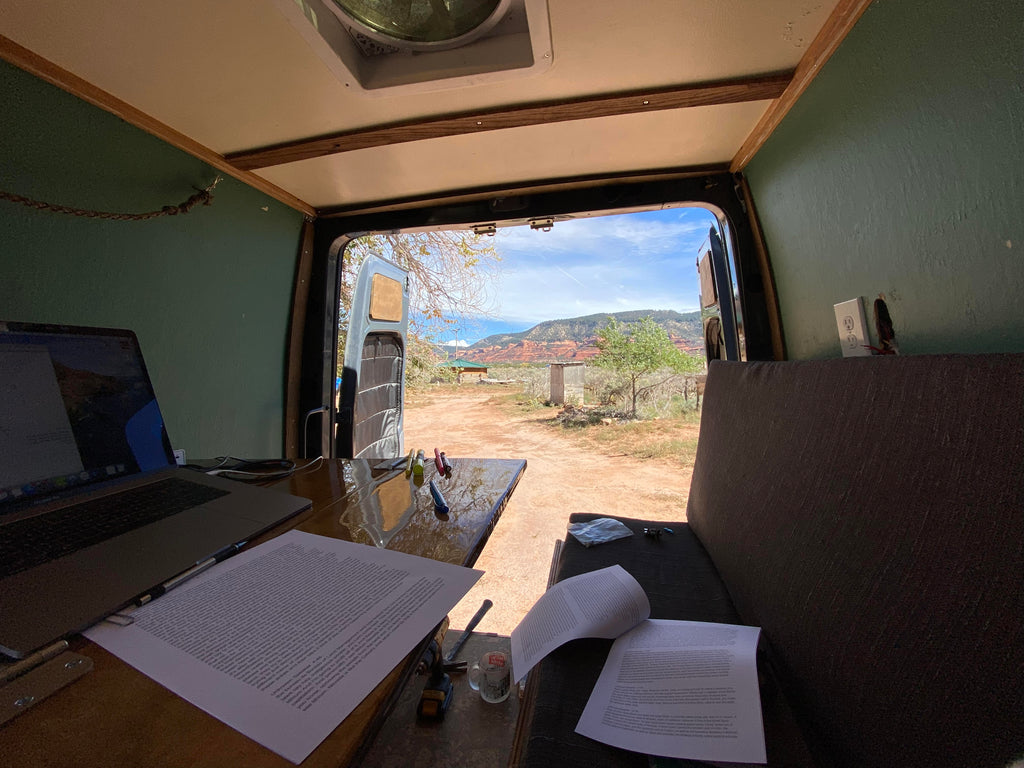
x=771, y=297
x=300, y=301
x=833, y=32
x=537, y=187
x=761, y=88
x=44, y=69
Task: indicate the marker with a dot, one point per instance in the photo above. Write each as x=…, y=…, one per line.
x=408, y=465
x=417, y=466
x=446, y=464
x=438, y=462
x=440, y=505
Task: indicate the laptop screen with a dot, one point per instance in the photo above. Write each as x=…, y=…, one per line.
x=76, y=408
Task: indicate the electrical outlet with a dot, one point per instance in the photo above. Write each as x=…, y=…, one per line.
x=179, y=456
x=853, y=336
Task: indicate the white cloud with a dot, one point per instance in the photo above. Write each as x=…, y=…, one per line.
x=647, y=235
x=608, y=264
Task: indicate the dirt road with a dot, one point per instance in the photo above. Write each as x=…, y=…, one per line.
x=560, y=478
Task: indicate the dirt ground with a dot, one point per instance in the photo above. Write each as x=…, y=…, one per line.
x=561, y=477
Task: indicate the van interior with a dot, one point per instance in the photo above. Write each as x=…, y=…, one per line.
x=867, y=149
x=849, y=149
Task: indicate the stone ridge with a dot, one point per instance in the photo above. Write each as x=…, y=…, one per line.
x=572, y=340
x=566, y=351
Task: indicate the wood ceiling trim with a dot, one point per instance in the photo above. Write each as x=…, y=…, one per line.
x=524, y=189
x=44, y=69
x=839, y=23
x=760, y=88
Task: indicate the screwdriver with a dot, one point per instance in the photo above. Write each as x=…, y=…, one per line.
x=468, y=631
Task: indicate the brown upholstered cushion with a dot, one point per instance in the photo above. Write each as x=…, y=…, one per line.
x=868, y=514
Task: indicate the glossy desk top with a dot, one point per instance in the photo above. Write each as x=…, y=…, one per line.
x=366, y=502
x=116, y=716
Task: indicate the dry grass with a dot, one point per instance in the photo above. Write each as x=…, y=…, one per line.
x=608, y=434
x=421, y=395
x=600, y=428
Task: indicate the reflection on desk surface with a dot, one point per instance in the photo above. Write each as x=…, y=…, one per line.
x=363, y=500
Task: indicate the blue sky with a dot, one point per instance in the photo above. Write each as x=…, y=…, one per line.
x=585, y=266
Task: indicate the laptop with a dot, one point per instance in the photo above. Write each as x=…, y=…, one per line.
x=94, y=511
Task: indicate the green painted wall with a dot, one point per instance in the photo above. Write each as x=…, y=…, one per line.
x=901, y=171
x=208, y=293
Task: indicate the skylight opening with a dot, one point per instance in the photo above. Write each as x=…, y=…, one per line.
x=488, y=41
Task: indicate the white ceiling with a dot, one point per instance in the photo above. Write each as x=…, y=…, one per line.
x=235, y=75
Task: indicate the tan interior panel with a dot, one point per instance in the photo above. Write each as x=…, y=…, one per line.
x=386, y=299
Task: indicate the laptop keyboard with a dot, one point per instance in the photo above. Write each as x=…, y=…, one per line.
x=36, y=540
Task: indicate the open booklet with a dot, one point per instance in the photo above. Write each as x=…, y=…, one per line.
x=679, y=689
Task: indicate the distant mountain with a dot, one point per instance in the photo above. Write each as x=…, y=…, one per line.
x=573, y=339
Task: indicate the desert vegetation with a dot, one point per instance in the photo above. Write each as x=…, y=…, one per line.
x=665, y=425
x=667, y=395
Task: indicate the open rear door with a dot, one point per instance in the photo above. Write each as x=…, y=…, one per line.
x=718, y=303
x=372, y=390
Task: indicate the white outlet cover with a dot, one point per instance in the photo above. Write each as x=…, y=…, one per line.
x=852, y=326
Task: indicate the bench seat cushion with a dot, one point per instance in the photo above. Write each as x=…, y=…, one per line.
x=681, y=583
x=868, y=514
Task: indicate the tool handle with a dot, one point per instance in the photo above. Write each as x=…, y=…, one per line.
x=469, y=629
x=479, y=615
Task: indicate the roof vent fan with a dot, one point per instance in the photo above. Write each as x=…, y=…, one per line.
x=386, y=47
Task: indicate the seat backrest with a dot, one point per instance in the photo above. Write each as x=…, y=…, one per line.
x=868, y=514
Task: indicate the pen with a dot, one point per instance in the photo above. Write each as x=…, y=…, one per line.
x=192, y=572
x=438, y=462
x=19, y=668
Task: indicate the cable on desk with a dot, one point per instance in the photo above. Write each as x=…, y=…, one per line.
x=306, y=467
x=305, y=426
x=252, y=470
